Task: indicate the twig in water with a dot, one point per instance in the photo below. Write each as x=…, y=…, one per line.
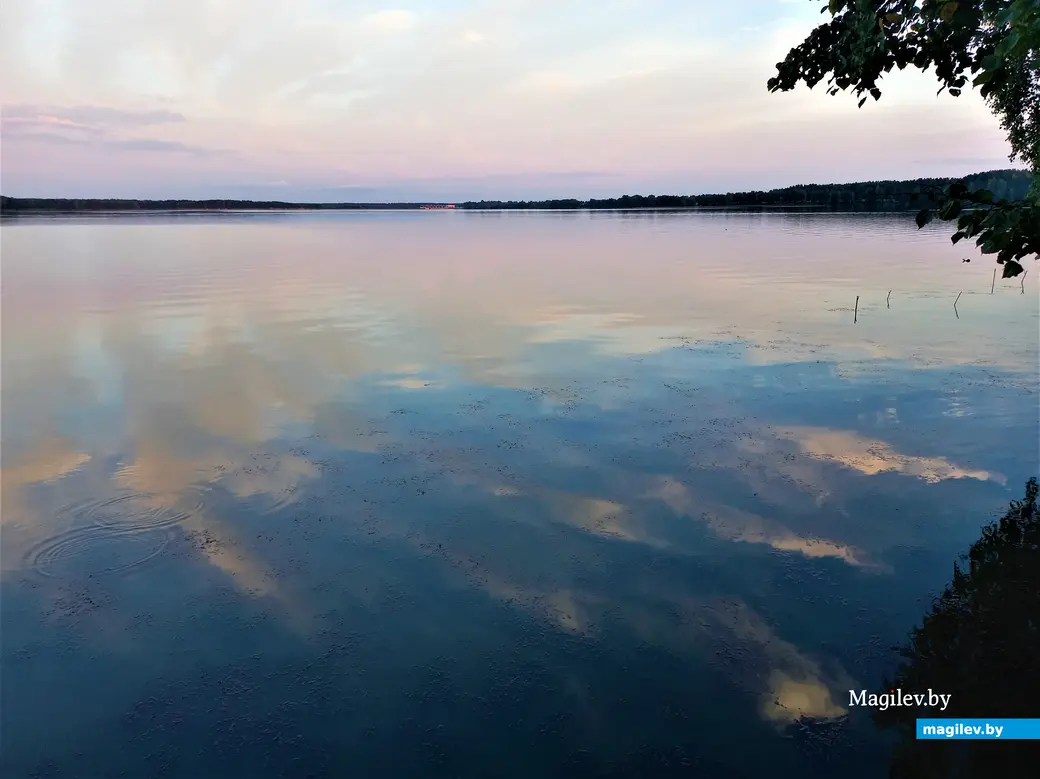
x=1024, y=281
x=991, y=286
x=955, y=304
x=887, y=303
x=855, y=313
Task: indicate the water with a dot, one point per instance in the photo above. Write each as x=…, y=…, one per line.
x=487, y=494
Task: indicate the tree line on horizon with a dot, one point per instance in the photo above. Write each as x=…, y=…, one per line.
x=906, y=195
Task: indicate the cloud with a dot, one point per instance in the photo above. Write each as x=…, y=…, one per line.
x=722, y=632
x=91, y=116
x=411, y=383
x=24, y=125
x=744, y=527
x=337, y=86
x=44, y=137
x=156, y=145
x=48, y=460
x=92, y=125
x=159, y=145
x=487, y=89
x=795, y=685
x=790, y=699
x=871, y=457
x=391, y=20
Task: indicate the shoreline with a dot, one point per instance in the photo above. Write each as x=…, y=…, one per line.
x=883, y=196
x=327, y=209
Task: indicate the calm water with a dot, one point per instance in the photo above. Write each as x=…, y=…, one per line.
x=487, y=495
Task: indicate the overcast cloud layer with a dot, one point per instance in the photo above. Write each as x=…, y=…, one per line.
x=446, y=100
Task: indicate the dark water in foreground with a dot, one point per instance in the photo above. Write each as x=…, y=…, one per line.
x=486, y=495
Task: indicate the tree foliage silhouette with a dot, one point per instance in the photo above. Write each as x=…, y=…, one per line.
x=979, y=643
x=994, y=43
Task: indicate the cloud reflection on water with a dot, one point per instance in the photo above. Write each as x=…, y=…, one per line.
x=317, y=422
x=871, y=456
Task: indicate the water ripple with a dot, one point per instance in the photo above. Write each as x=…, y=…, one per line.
x=93, y=550
x=135, y=512
x=111, y=534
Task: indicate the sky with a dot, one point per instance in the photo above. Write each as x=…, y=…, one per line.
x=440, y=100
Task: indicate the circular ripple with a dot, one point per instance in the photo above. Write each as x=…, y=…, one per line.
x=137, y=513
x=94, y=550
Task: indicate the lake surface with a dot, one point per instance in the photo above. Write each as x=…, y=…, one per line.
x=487, y=494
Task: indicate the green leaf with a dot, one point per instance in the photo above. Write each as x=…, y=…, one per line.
x=992, y=62
x=1011, y=269
x=948, y=10
x=950, y=210
x=924, y=216
x=957, y=236
x=1019, y=47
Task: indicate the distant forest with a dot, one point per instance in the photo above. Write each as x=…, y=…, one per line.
x=859, y=196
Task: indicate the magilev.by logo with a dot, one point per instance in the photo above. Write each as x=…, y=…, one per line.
x=898, y=698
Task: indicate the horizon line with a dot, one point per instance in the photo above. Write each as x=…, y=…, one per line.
x=403, y=202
